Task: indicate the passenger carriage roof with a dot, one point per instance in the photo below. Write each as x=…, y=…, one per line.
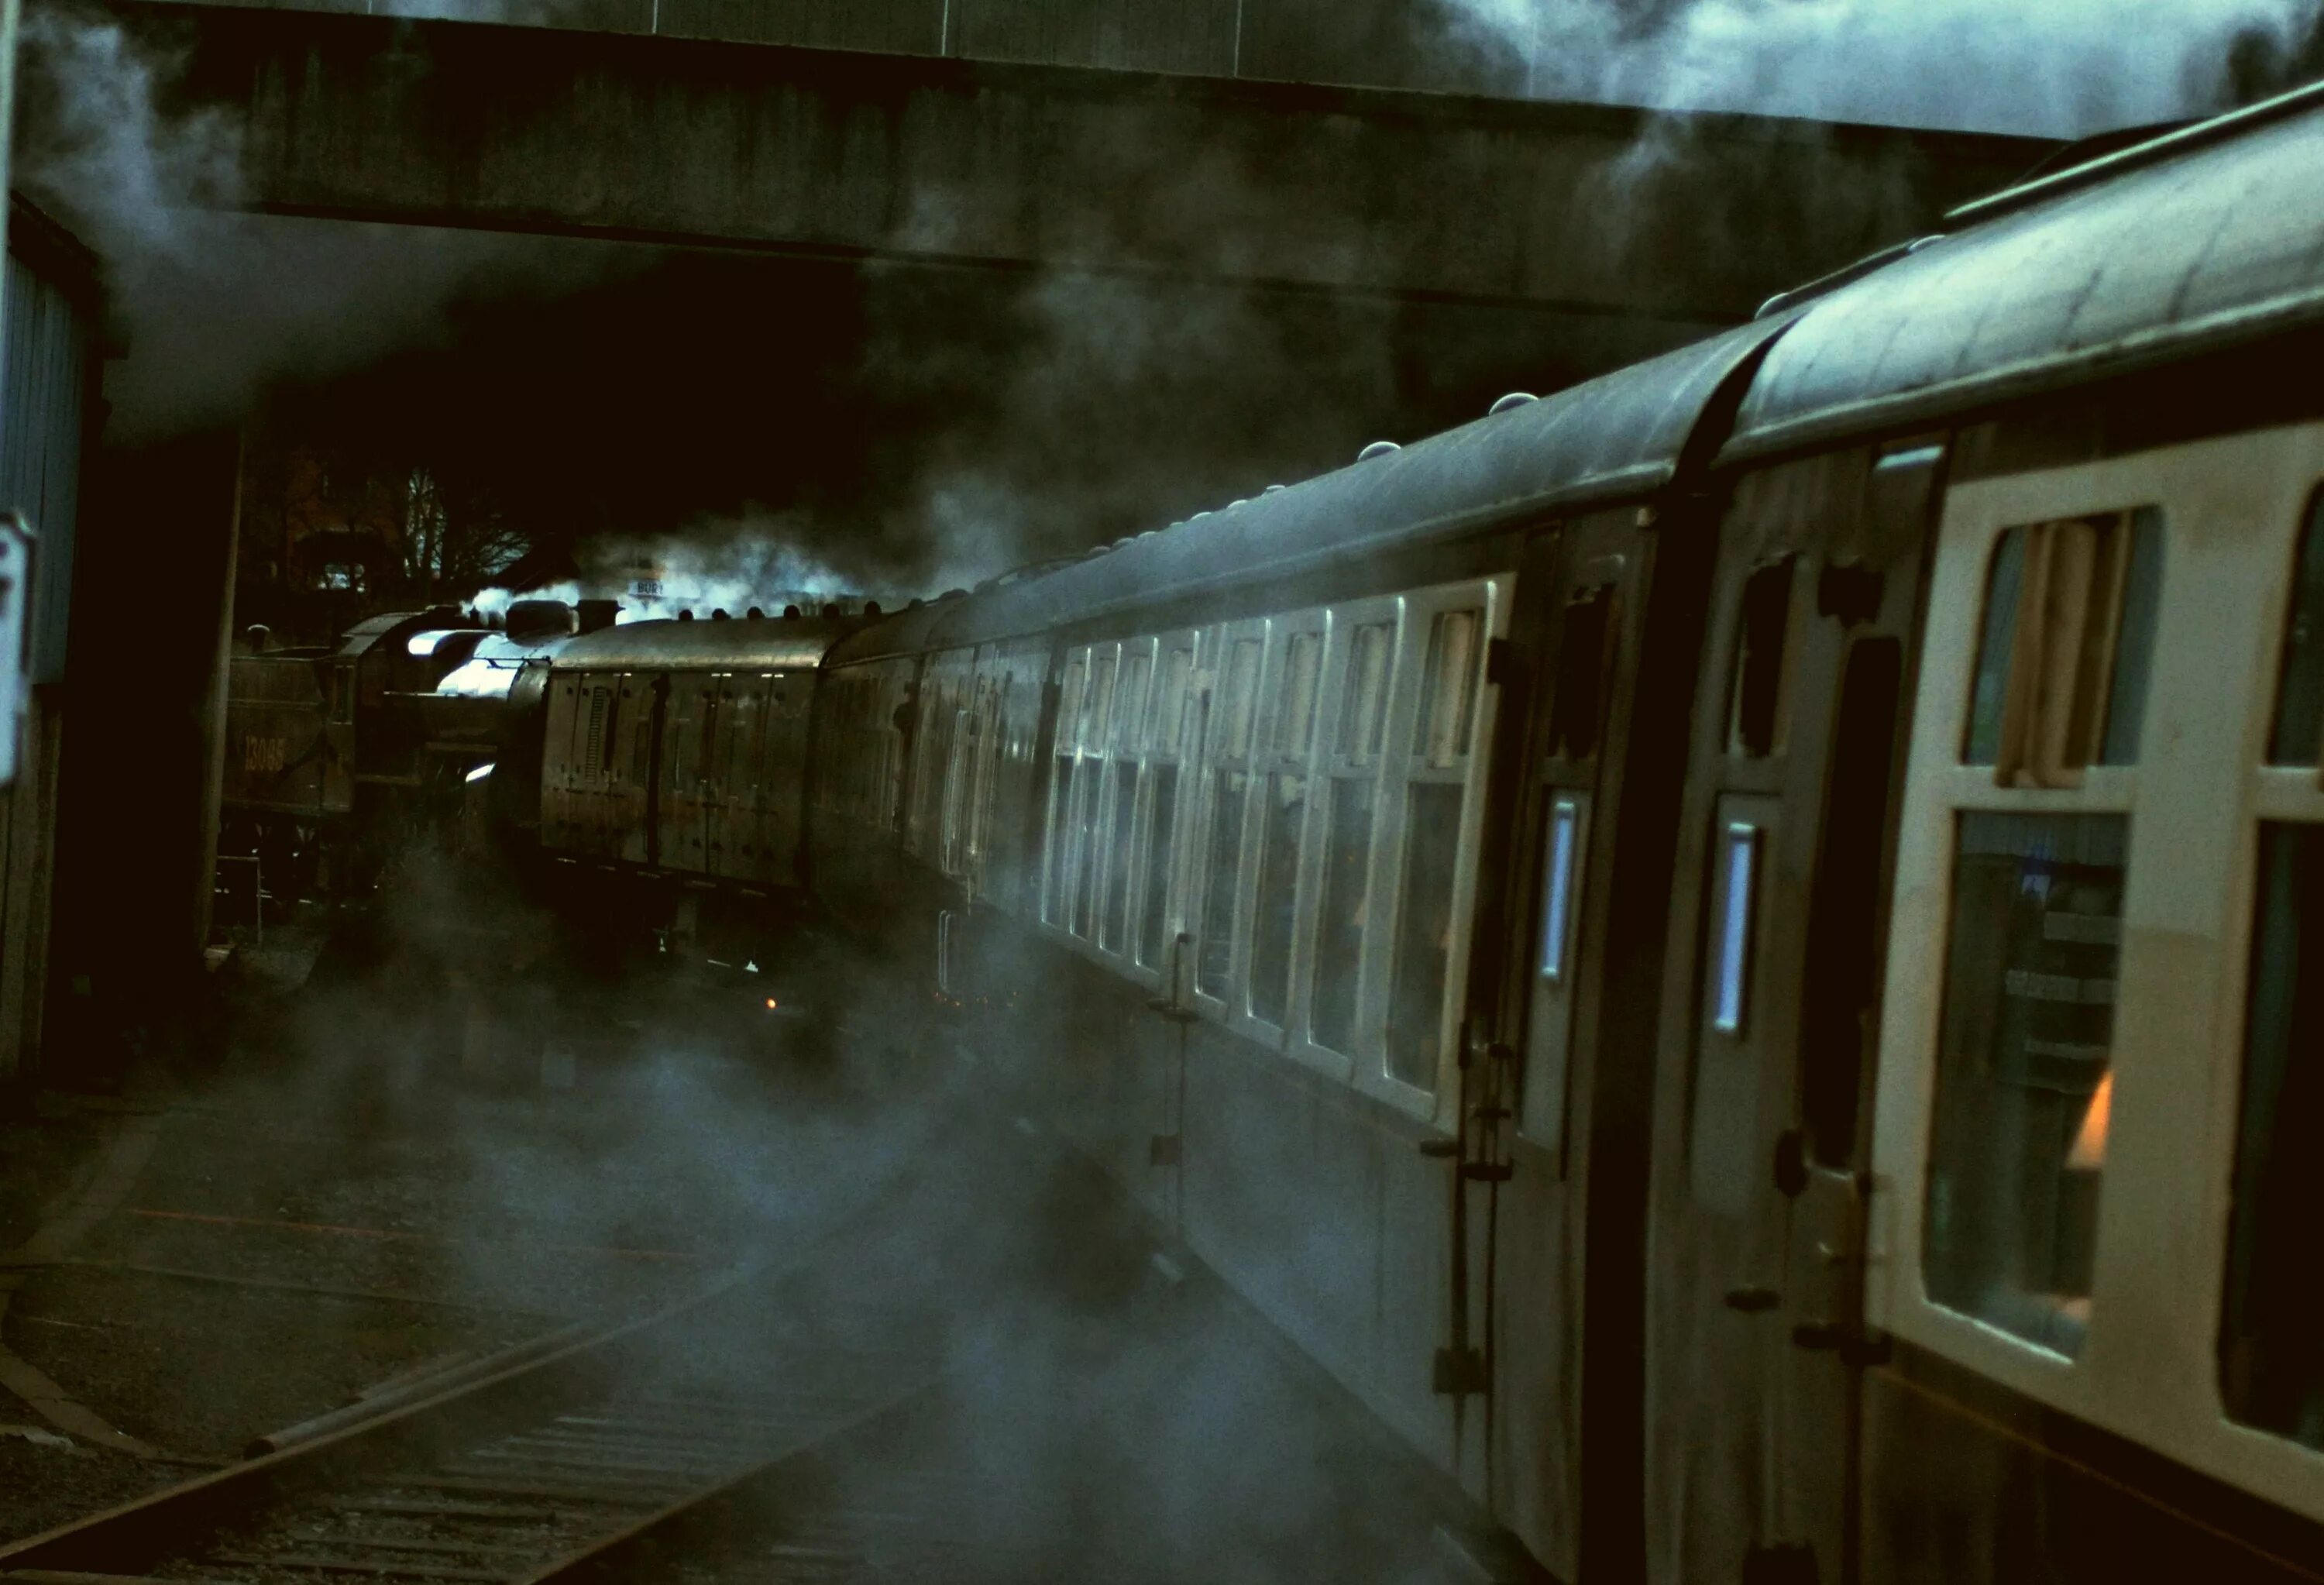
x=766, y=643
x=1619, y=436
x=2203, y=237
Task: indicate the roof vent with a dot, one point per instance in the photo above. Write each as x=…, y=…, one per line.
x=1376, y=448
x=1232, y=504
x=790, y=614
x=830, y=608
x=687, y=616
x=954, y=594
x=1515, y=399
x=1271, y=489
x=870, y=608
x=718, y=613
x=753, y=614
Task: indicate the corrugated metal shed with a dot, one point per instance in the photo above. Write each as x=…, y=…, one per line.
x=763, y=644
x=46, y=347
x=2206, y=238
x=1613, y=437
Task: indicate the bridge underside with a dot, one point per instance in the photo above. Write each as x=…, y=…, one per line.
x=1548, y=209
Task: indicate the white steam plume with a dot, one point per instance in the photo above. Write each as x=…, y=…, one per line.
x=2062, y=70
x=217, y=306
x=728, y=564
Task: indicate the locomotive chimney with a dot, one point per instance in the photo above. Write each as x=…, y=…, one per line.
x=598, y=614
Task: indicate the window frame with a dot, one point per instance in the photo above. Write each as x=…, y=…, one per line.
x=1105, y=751
x=1150, y=753
x=1267, y=759
x=1403, y=767
x=2231, y=509
x=1213, y=664
x=1331, y=766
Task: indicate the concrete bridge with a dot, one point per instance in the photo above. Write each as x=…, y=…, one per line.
x=896, y=152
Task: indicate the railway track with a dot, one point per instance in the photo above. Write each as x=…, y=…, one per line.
x=572, y=1465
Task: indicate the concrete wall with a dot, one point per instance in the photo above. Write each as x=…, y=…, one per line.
x=1378, y=43
x=1581, y=209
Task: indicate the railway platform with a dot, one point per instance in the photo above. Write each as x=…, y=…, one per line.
x=329, y=1308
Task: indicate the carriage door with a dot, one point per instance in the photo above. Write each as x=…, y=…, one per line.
x=1576, y=639
x=1785, y=847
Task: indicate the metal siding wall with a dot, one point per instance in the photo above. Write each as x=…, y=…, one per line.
x=45, y=360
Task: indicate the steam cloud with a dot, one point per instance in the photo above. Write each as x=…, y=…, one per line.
x=2062, y=70
x=714, y=563
x=217, y=306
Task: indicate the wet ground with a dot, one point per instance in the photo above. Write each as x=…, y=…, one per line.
x=342, y=1195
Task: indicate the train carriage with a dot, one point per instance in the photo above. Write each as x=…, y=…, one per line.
x=1733, y=950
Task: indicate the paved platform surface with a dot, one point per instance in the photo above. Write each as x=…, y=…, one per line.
x=213, y=1254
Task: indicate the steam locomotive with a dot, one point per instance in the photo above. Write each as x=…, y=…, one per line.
x=1738, y=950
x=337, y=756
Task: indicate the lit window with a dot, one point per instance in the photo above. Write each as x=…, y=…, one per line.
x=2025, y=1056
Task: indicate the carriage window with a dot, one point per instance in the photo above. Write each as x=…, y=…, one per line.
x=1229, y=791
x=1121, y=802
x=1057, y=887
x=1421, y=952
x=2023, y=1070
x=1167, y=731
x=1423, y=935
x=1347, y=889
x=2271, y=1358
x=1170, y=700
x=2299, y=735
x=1089, y=775
x=1348, y=819
x=1760, y=639
x=1242, y=696
x=1575, y=704
x=1448, y=688
x=1303, y=663
x=2063, y=656
x=1363, y=704
x=1283, y=829
x=1229, y=797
